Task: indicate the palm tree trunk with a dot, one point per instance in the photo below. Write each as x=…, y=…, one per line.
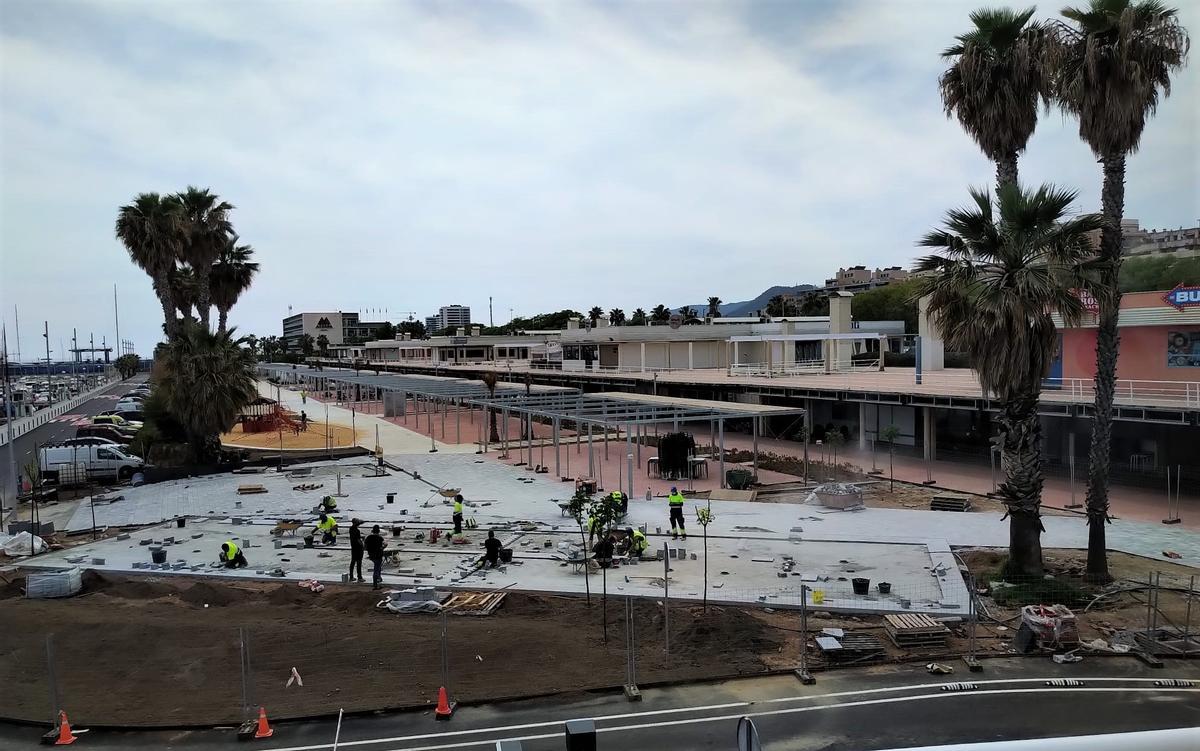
x=203, y=296
x=162, y=288
x=1108, y=296
x=1021, y=490
x=223, y=319
x=1006, y=170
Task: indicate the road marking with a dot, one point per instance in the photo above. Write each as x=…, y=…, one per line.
x=792, y=710
x=730, y=705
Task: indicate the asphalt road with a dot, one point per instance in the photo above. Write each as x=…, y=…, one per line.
x=62, y=427
x=879, y=708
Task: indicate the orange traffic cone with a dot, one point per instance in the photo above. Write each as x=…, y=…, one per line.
x=263, y=730
x=61, y=737
x=444, y=707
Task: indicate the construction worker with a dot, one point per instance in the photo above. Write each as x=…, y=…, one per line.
x=620, y=504
x=603, y=551
x=328, y=504
x=593, y=528
x=374, y=545
x=232, y=556
x=328, y=528
x=458, y=515
x=356, y=548
x=635, y=542
x=675, y=502
x=491, y=551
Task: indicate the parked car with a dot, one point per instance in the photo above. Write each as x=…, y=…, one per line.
x=101, y=462
x=89, y=440
x=110, y=432
x=114, y=419
x=134, y=416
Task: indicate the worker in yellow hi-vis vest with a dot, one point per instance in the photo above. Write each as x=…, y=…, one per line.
x=675, y=502
x=458, y=515
x=232, y=556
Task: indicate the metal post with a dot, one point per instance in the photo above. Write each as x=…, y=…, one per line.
x=591, y=456
x=1149, y=600
x=244, y=663
x=721, y=438
x=629, y=456
x=445, y=655
x=557, y=458
x=754, y=426
x=803, y=674
x=458, y=420
x=667, y=600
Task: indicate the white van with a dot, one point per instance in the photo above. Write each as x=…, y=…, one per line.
x=102, y=462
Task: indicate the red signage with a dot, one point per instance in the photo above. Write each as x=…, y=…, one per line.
x=1089, y=301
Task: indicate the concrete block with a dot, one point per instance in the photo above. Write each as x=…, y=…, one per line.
x=693, y=556
x=145, y=541
x=673, y=552
x=168, y=541
x=238, y=520
x=123, y=536
x=278, y=544
x=197, y=535
x=97, y=561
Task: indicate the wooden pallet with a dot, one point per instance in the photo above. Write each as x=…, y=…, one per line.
x=852, y=647
x=473, y=603
x=915, y=630
x=950, y=503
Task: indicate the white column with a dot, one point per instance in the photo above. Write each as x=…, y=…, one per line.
x=643, y=351
x=690, y=358
x=862, y=425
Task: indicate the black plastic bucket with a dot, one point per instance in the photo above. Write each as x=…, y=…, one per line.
x=158, y=556
x=391, y=497
x=884, y=587
x=861, y=586
x=181, y=522
x=506, y=555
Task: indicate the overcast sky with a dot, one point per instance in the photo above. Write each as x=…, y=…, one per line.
x=405, y=155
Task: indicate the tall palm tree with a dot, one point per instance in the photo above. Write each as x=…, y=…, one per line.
x=637, y=318
x=998, y=74
x=998, y=277
x=206, y=232
x=205, y=380
x=714, y=307
x=595, y=313
x=616, y=317
x=1112, y=65
x=149, y=230
x=689, y=314
x=660, y=314
x=231, y=275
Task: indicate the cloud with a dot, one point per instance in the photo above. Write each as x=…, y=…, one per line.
x=549, y=154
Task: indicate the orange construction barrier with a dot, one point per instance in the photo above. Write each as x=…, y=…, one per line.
x=444, y=707
x=61, y=737
x=263, y=730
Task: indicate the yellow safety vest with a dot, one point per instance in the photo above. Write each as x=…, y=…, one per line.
x=458, y=507
x=639, y=540
x=675, y=499
x=232, y=551
x=329, y=502
x=328, y=525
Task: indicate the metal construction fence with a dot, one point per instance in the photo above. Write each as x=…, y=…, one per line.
x=172, y=671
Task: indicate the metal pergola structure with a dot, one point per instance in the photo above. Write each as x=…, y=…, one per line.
x=634, y=414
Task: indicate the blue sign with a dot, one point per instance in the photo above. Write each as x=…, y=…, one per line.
x=1183, y=297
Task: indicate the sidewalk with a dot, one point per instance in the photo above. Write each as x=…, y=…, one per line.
x=393, y=438
x=1125, y=502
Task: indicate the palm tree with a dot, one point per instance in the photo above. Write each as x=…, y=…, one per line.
x=270, y=347
x=490, y=379
x=689, y=315
x=616, y=317
x=1111, y=67
x=205, y=379
x=660, y=314
x=595, y=313
x=998, y=74
x=148, y=228
x=992, y=291
x=252, y=344
x=306, y=344
x=183, y=290
x=206, y=231
x=714, y=307
x=777, y=306
x=638, y=318
x=230, y=276
x=323, y=344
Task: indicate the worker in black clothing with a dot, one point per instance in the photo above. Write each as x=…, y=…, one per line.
x=356, y=548
x=603, y=551
x=457, y=517
x=491, y=551
x=374, y=545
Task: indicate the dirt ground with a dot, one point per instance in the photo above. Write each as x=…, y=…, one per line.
x=313, y=438
x=159, y=651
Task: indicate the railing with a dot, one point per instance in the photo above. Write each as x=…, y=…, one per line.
x=23, y=425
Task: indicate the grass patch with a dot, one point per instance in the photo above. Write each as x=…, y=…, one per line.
x=1042, y=592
